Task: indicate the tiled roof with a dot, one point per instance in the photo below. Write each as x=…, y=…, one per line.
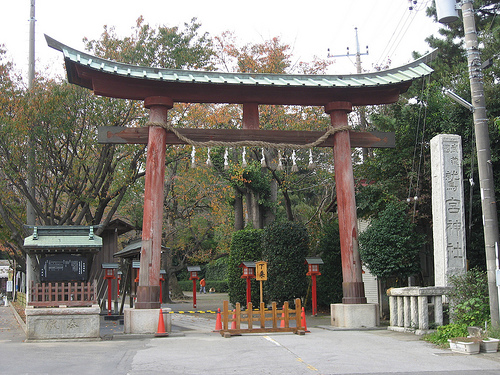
x=411, y=71
x=115, y=79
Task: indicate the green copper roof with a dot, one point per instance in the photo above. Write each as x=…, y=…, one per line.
x=63, y=239
x=411, y=71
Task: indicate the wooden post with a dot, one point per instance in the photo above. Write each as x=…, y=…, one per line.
x=261, y=294
x=262, y=315
x=250, y=116
x=250, y=315
x=352, y=286
x=148, y=291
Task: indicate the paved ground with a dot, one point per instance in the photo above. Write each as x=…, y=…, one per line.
x=193, y=348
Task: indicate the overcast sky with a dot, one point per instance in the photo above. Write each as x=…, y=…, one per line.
x=387, y=27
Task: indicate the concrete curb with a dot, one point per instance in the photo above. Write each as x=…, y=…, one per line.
x=20, y=321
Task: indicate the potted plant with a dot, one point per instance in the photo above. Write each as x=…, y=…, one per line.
x=489, y=345
x=465, y=345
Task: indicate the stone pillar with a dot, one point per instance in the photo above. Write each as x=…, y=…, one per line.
x=393, y=308
x=423, y=313
x=448, y=215
x=352, y=286
x=438, y=310
x=407, y=315
x=401, y=316
x=414, y=311
x=148, y=290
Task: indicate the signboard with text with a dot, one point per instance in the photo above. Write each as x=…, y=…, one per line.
x=261, y=270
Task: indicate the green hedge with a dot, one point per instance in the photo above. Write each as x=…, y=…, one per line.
x=285, y=247
x=220, y=286
x=217, y=270
x=246, y=246
x=330, y=282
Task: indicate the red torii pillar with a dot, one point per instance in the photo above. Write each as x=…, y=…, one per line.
x=148, y=291
x=352, y=285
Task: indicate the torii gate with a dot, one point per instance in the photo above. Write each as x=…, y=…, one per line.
x=161, y=88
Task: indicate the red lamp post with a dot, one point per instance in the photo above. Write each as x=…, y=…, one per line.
x=162, y=279
x=136, y=265
x=249, y=274
x=193, y=271
x=313, y=267
x=119, y=280
x=109, y=274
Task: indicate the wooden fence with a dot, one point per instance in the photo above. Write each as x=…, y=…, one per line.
x=284, y=320
x=63, y=294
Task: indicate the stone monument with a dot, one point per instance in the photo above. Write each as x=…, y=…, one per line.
x=448, y=214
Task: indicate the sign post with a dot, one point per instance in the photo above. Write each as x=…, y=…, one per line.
x=261, y=275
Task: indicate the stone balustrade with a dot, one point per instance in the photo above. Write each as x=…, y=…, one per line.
x=409, y=308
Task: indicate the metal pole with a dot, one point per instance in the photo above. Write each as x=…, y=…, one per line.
x=486, y=182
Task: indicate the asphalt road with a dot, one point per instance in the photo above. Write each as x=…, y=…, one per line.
x=193, y=348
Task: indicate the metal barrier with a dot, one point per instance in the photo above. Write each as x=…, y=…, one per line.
x=63, y=294
x=409, y=308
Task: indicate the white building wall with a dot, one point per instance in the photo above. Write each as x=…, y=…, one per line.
x=370, y=281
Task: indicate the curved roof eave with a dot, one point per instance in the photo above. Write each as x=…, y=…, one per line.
x=118, y=80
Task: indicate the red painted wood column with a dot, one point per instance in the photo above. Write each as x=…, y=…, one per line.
x=250, y=116
x=148, y=291
x=352, y=285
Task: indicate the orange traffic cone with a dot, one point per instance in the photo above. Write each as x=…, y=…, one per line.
x=161, y=326
x=303, y=320
x=233, y=323
x=282, y=325
x=218, y=321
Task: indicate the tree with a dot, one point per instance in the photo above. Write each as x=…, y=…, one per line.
x=188, y=231
x=270, y=191
x=69, y=190
x=390, y=245
x=403, y=173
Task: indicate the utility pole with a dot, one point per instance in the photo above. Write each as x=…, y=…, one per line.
x=447, y=12
x=358, y=53
x=486, y=182
x=30, y=211
x=362, y=112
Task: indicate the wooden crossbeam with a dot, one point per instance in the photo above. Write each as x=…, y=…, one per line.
x=123, y=135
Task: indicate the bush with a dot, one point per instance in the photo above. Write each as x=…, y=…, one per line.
x=390, y=245
x=246, y=246
x=469, y=300
x=285, y=249
x=469, y=306
x=443, y=333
